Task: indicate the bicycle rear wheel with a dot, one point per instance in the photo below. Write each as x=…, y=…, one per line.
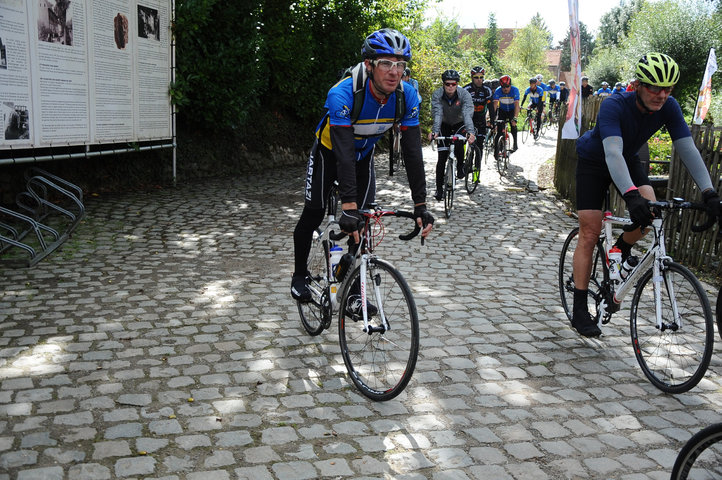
x=449, y=183
x=316, y=314
x=566, y=275
x=525, y=130
x=472, y=166
x=701, y=456
x=381, y=364
x=675, y=357
x=718, y=312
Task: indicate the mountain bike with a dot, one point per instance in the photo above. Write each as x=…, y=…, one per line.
x=670, y=320
x=377, y=317
x=701, y=456
x=502, y=149
x=529, y=127
x=450, y=172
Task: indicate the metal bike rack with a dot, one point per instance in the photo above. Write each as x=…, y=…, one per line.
x=52, y=208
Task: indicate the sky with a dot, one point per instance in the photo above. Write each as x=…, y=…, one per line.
x=518, y=13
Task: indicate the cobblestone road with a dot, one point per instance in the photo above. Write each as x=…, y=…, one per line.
x=181, y=294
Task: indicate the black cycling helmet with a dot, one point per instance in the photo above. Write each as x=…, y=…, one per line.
x=552, y=82
x=532, y=80
x=562, y=84
x=505, y=81
x=585, y=78
x=386, y=41
x=618, y=84
x=450, y=75
x=477, y=70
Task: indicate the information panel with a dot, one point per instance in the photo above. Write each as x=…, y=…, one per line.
x=75, y=72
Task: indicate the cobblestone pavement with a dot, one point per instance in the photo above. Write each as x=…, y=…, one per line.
x=162, y=343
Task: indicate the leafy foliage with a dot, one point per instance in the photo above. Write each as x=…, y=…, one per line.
x=615, y=24
x=525, y=55
x=607, y=65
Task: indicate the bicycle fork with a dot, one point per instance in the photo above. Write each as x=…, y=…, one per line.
x=376, y=280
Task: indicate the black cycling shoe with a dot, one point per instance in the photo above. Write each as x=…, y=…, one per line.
x=438, y=195
x=585, y=324
x=460, y=172
x=354, y=310
x=299, y=289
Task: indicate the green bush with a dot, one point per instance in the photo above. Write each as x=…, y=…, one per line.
x=660, y=149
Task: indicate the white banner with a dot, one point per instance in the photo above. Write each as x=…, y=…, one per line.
x=573, y=121
x=705, y=90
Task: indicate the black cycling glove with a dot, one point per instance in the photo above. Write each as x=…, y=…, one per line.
x=711, y=203
x=638, y=207
x=425, y=216
x=350, y=221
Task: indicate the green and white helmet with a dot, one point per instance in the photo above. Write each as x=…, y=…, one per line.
x=657, y=69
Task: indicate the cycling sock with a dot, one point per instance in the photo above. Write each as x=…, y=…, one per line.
x=580, y=300
x=625, y=247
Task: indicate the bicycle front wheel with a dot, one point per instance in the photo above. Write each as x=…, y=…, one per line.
x=701, y=456
x=380, y=364
x=525, y=130
x=316, y=314
x=675, y=357
x=449, y=183
x=566, y=275
x=718, y=312
x=472, y=165
x=503, y=153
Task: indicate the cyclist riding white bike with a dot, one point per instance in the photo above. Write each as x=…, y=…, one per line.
x=344, y=149
x=608, y=154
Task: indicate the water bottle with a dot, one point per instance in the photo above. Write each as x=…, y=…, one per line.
x=629, y=265
x=336, y=252
x=615, y=263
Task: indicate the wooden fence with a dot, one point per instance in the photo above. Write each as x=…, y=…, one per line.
x=693, y=249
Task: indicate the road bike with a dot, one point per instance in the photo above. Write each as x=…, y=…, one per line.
x=701, y=456
x=502, y=150
x=472, y=166
x=529, y=127
x=396, y=156
x=450, y=171
x=377, y=318
x=670, y=320
x=488, y=145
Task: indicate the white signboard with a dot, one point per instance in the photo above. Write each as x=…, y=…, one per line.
x=76, y=72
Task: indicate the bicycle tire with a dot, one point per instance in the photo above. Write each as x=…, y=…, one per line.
x=449, y=184
x=566, y=277
x=542, y=126
x=503, y=152
x=718, y=312
x=674, y=359
x=316, y=314
x=472, y=165
x=381, y=364
x=525, y=130
x=701, y=456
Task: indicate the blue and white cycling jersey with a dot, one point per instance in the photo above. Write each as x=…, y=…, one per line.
x=604, y=92
x=506, y=100
x=535, y=97
x=375, y=119
x=553, y=92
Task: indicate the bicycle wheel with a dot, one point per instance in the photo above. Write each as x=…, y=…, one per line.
x=525, y=130
x=503, y=153
x=449, y=183
x=718, y=312
x=701, y=456
x=316, y=314
x=542, y=127
x=675, y=357
x=381, y=364
x=566, y=275
x=472, y=165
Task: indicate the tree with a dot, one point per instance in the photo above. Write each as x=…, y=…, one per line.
x=539, y=22
x=526, y=53
x=614, y=25
x=586, y=47
x=491, y=40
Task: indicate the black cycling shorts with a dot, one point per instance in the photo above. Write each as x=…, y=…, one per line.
x=321, y=173
x=594, y=180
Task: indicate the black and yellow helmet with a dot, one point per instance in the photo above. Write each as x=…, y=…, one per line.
x=657, y=69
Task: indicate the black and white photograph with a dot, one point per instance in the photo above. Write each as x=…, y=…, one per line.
x=3, y=55
x=55, y=22
x=148, y=23
x=15, y=121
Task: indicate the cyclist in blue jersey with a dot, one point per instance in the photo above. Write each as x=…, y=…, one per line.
x=536, y=101
x=608, y=154
x=540, y=82
x=605, y=91
x=506, y=106
x=343, y=149
x=553, y=92
x=482, y=96
x=451, y=109
x=618, y=88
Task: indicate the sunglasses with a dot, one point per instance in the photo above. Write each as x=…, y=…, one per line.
x=478, y=76
x=655, y=89
x=450, y=84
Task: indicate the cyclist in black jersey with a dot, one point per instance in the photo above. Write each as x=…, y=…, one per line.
x=481, y=95
x=344, y=148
